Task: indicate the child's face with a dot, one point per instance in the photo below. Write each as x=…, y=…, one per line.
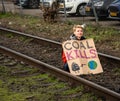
x=78, y=32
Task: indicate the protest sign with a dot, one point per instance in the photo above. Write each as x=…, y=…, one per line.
x=82, y=57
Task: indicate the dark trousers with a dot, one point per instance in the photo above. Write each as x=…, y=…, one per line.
x=66, y=68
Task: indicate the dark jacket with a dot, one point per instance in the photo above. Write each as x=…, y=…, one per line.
x=73, y=37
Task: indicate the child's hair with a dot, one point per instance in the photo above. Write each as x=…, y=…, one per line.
x=77, y=26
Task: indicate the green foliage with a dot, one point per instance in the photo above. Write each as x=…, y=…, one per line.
x=1, y=83
x=89, y=97
x=76, y=89
x=101, y=34
x=4, y=71
x=117, y=71
x=10, y=35
x=69, y=22
x=14, y=97
x=5, y=15
x=25, y=39
x=60, y=85
x=116, y=45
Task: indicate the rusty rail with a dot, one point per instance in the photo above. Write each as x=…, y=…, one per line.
x=109, y=95
x=51, y=42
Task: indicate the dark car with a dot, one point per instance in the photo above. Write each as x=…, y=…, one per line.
x=27, y=3
x=16, y=2
x=114, y=10
x=99, y=6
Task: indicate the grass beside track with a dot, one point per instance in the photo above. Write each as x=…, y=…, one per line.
x=106, y=38
x=25, y=83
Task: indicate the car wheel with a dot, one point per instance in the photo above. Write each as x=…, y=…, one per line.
x=81, y=10
x=33, y=4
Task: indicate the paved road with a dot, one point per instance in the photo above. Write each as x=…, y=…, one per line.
x=10, y=7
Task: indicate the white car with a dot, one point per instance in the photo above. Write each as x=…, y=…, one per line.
x=73, y=7
x=47, y=3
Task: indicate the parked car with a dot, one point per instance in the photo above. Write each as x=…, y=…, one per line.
x=48, y=3
x=73, y=7
x=16, y=2
x=101, y=8
x=35, y=3
x=27, y=3
x=114, y=10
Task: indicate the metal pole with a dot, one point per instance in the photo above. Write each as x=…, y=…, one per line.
x=3, y=11
x=20, y=8
x=65, y=11
x=94, y=11
x=42, y=4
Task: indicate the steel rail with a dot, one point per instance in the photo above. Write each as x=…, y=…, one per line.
x=31, y=36
x=56, y=44
x=102, y=91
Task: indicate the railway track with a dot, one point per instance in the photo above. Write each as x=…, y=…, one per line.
x=20, y=77
x=56, y=46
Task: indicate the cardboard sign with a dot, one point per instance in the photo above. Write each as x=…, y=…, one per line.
x=82, y=57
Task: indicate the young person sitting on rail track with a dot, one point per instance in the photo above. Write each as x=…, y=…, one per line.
x=77, y=35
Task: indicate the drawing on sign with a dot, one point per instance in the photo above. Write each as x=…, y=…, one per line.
x=92, y=64
x=75, y=67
